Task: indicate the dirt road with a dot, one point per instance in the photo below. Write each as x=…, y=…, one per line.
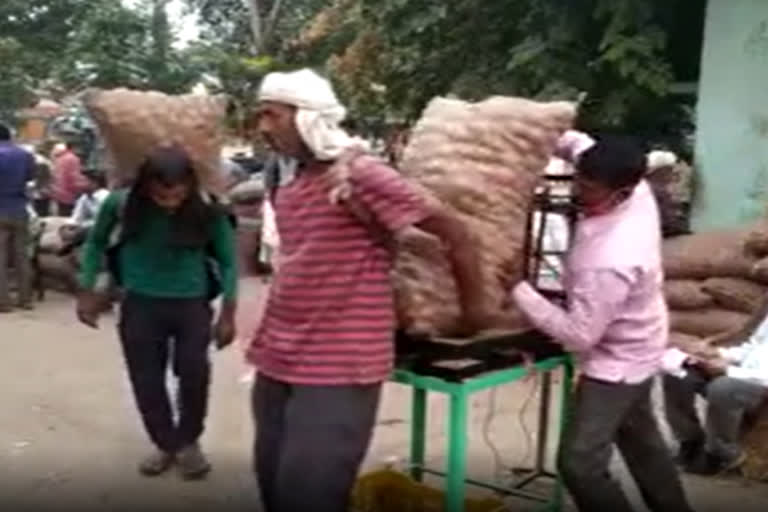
x=70, y=438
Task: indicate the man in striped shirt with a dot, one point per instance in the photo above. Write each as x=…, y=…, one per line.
x=325, y=345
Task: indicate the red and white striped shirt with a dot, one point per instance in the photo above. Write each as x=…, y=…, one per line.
x=329, y=319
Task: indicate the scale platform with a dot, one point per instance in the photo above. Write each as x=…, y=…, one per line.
x=456, y=359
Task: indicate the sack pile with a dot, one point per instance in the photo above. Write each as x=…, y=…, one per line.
x=57, y=271
x=711, y=286
x=133, y=123
x=715, y=282
x=482, y=161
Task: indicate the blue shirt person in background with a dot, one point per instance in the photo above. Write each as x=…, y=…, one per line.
x=17, y=167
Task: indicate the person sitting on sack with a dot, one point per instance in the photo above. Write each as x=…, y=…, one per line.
x=172, y=250
x=733, y=380
x=616, y=323
x=325, y=343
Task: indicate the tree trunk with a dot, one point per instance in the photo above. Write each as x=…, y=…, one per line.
x=254, y=6
x=274, y=15
x=261, y=27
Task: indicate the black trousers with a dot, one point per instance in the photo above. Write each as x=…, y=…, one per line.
x=310, y=442
x=604, y=414
x=151, y=331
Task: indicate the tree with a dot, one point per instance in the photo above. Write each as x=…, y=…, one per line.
x=31, y=32
x=64, y=46
x=114, y=46
x=16, y=86
x=405, y=52
x=243, y=40
x=255, y=27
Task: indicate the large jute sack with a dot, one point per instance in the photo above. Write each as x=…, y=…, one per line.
x=686, y=294
x=483, y=161
x=705, y=255
x=56, y=272
x=692, y=345
x=51, y=240
x=735, y=294
x=755, y=444
x=759, y=271
x=706, y=322
x=756, y=241
x=135, y=122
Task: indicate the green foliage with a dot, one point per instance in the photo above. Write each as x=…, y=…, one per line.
x=64, y=46
x=230, y=57
x=615, y=50
x=16, y=86
x=113, y=46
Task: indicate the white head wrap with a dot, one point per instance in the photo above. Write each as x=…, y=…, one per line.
x=318, y=113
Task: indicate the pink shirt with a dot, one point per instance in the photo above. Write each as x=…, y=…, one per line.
x=68, y=181
x=616, y=318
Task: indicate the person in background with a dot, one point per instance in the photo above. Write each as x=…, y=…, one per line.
x=171, y=251
x=278, y=171
x=89, y=202
x=615, y=322
x=733, y=380
x=325, y=343
x=17, y=168
x=68, y=181
x=41, y=186
x=75, y=231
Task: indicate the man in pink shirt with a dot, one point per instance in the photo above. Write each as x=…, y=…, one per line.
x=68, y=180
x=615, y=322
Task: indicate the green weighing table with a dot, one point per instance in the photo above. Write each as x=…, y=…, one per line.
x=459, y=393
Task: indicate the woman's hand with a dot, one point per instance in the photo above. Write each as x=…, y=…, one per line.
x=224, y=330
x=89, y=307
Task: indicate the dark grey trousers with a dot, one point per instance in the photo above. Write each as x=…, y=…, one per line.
x=605, y=414
x=728, y=401
x=310, y=442
x=151, y=330
x=14, y=234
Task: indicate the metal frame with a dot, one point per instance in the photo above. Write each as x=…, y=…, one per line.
x=459, y=394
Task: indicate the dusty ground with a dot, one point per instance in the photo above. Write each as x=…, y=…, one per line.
x=69, y=435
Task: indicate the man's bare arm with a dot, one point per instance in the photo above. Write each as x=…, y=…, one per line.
x=461, y=251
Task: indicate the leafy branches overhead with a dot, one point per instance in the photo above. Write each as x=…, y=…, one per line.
x=63, y=46
x=615, y=50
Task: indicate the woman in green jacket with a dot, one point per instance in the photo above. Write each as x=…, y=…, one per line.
x=171, y=252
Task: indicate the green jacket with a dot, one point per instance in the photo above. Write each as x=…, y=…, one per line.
x=149, y=265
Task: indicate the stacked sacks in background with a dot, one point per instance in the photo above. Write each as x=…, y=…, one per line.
x=135, y=122
x=716, y=282
x=709, y=282
x=56, y=269
x=483, y=161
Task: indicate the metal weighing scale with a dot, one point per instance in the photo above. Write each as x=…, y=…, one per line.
x=460, y=368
